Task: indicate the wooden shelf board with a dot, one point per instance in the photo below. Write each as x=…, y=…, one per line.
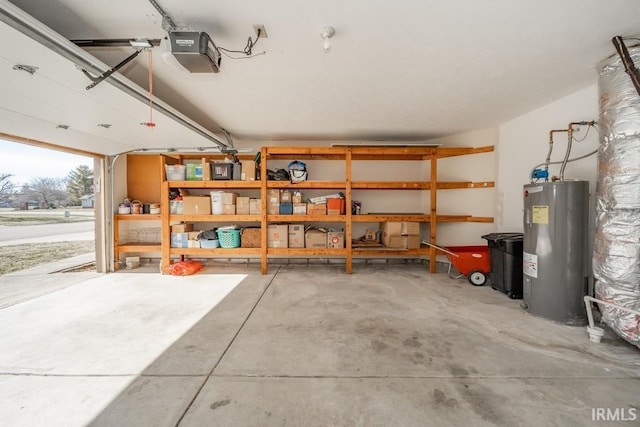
x=216, y=251
x=448, y=185
x=390, y=252
x=390, y=185
x=443, y=152
x=215, y=218
x=139, y=247
x=306, y=251
x=215, y=184
x=137, y=217
x=390, y=218
x=308, y=184
x=301, y=218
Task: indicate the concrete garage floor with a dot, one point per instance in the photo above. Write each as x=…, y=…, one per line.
x=304, y=345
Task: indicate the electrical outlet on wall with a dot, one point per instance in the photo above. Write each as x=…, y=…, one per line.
x=263, y=31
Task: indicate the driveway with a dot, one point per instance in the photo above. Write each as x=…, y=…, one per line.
x=42, y=233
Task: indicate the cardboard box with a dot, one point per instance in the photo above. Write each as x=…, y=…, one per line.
x=297, y=198
x=196, y=205
x=273, y=208
x=277, y=236
x=394, y=242
x=182, y=228
x=299, y=209
x=335, y=207
x=228, y=209
x=410, y=229
x=296, y=235
x=316, y=208
x=250, y=237
x=193, y=235
x=193, y=243
x=412, y=242
x=255, y=206
x=273, y=195
x=248, y=170
x=229, y=198
x=401, y=228
x=335, y=239
x=285, y=196
x=286, y=208
x=242, y=206
x=206, y=169
x=179, y=240
x=315, y=239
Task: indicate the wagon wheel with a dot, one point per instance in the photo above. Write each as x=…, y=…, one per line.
x=477, y=278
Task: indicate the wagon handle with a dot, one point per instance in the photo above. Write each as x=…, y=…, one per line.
x=440, y=248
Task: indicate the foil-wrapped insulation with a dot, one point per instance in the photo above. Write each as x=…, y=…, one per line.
x=616, y=257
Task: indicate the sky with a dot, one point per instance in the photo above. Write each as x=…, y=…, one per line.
x=26, y=162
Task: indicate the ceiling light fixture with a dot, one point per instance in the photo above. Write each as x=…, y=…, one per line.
x=326, y=33
x=104, y=125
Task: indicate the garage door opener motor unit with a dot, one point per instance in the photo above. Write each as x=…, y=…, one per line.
x=195, y=51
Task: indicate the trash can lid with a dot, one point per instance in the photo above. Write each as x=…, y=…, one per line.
x=503, y=236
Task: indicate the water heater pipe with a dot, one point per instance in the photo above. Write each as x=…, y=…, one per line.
x=595, y=333
x=569, y=142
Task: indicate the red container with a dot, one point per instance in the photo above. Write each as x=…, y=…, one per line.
x=470, y=258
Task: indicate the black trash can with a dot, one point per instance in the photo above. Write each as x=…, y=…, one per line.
x=505, y=256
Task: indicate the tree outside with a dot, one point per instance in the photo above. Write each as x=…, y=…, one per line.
x=7, y=189
x=79, y=183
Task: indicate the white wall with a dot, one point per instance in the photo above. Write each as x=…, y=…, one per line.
x=524, y=141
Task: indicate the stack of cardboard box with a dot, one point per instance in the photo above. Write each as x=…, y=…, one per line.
x=229, y=203
x=400, y=235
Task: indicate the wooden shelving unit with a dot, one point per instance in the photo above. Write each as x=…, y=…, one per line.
x=347, y=155
x=132, y=247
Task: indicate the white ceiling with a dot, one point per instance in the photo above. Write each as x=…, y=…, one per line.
x=397, y=70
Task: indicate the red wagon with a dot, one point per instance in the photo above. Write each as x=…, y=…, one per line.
x=470, y=261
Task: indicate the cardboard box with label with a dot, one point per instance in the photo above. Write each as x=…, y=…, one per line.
x=277, y=235
x=248, y=170
x=250, y=237
x=315, y=239
x=196, y=205
x=299, y=209
x=285, y=196
x=273, y=195
x=296, y=235
x=255, y=206
x=335, y=239
x=242, y=206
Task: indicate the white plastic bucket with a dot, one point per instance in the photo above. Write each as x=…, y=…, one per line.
x=216, y=202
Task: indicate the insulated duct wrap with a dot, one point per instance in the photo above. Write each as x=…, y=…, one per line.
x=616, y=257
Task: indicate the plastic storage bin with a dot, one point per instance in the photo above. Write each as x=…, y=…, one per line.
x=505, y=255
x=176, y=172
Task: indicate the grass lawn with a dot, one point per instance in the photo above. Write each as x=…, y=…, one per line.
x=20, y=257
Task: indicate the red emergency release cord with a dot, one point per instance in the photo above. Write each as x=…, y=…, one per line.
x=150, y=124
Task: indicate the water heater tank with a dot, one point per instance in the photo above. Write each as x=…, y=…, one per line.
x=555, y=258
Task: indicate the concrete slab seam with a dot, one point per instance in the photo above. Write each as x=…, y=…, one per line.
x=244, y=322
